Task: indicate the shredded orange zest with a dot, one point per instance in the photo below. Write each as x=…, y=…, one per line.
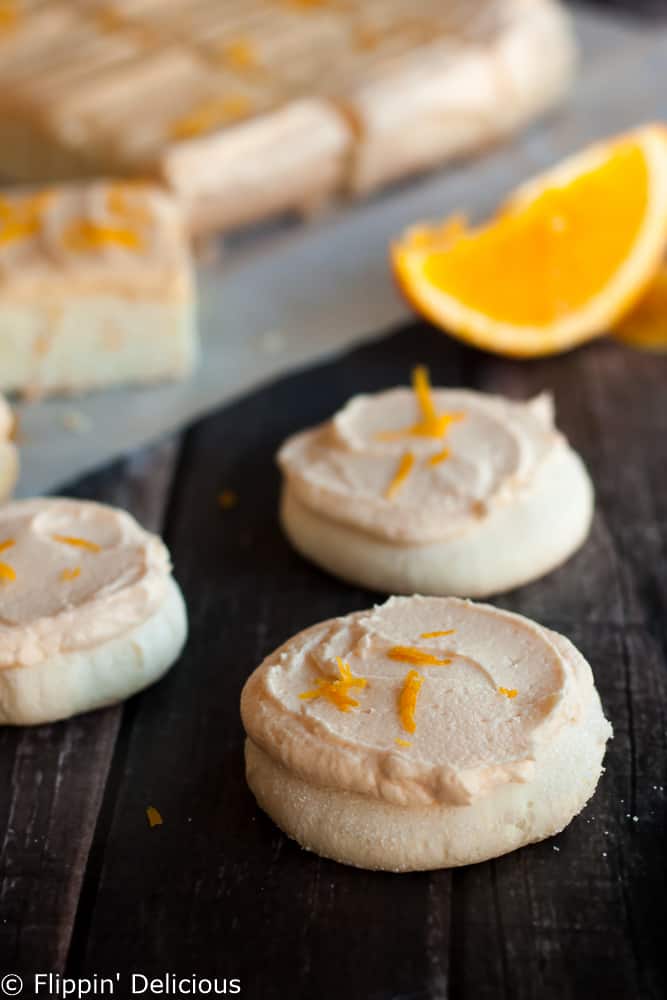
x=240, y=55
x=210, y=114
x=84, y=236
x=6, y=572
x=436, y=635
x=118, y=203
x=22, y=218
x=80, y=543
x=432, y=423
x=407, y=700
x=367, y=38
x=337, y=691
x=70, y=574
x=9, y=16
x=402, y=473
x=508, y=692
x=10, y=232
x=110, y=19
x=408, y=654
x=7, y=544
x=227, y=499
x=402, y=743
x=439, y=457
x=154, y=817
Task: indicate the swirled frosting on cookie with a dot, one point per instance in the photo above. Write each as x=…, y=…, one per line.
x=419, y=701
x=73, y=574
x=418, y=467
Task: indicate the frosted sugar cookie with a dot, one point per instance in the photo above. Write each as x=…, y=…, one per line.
x=9, y=462
x=425, y=733
x=89, y=611
x=436, y=492
x=96, y=288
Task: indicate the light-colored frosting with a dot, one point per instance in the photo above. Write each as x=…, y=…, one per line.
x=292, y=157
x=74, y=574
x=480, y=720
x=121, y=236
x=344, y=468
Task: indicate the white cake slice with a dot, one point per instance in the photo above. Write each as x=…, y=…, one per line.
x=96, y=288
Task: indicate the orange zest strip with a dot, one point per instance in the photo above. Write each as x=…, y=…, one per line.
x=83, y=236
x=120, y=203
x=153, y=816
x=439, y=457
x=337, y=692
x=432, y=423
x=7, y=544
x=421, y=384
x=70, y=574
x=407, y=700
x=240, y=55
x=210, y=114
x=402, y=743
x=402, y=473
x=20, y=219
x=9, y=16
x=227, y=499
x=436, y=635
x=508, y=692
x=80, y=543
x=408, y=654
x=7, y=574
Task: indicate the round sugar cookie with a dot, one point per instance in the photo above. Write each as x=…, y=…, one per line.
x=89, y=610
x=425, y=733
x=444, y=492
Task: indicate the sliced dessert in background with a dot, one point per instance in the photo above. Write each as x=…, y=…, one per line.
x=253, y=109
x=96, y=288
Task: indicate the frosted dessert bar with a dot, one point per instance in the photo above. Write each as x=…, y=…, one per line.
x=255, y=108
x=96, y=288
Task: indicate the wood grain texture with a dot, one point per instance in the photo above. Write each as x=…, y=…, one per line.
x=218, y=890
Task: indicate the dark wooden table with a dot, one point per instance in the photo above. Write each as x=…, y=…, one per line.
x=88, y=887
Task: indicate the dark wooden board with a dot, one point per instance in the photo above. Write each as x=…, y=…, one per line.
x=87, y=887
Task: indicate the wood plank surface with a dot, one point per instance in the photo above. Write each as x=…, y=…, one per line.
x=216, y=889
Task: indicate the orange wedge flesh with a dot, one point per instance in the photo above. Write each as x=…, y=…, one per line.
x=568, y=254
x=645, y=327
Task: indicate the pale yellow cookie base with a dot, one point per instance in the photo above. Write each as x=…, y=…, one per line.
x=94, y=341
x=368, y=833
x=512, y=545
x=87, y=679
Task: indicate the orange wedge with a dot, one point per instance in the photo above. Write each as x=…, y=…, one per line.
x=645, y=326
x=563, y=260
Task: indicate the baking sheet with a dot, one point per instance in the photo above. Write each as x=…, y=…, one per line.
x=288, y=299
